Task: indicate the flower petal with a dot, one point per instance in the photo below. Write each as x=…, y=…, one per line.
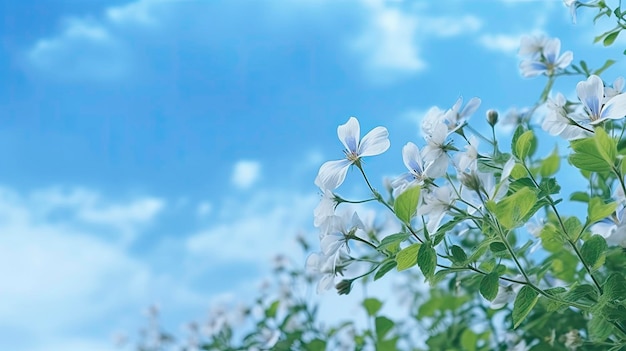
x=615, y=108
x=375, y=142
x=412, y=158
x=565, y=60
x=349, y=134
x=332, y=174
x=471, y=107
x=590, y=93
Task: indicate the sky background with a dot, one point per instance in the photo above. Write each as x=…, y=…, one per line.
x=163, y=152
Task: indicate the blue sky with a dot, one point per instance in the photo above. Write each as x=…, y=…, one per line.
x=162, y=152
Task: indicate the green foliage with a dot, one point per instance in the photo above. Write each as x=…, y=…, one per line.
x=407, y=257
x=406, y=204
x=524, y=303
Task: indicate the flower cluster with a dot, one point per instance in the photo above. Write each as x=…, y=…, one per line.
x=461, y=206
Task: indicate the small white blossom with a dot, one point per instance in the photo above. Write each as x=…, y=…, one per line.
x=434, y=153
x=614, y=90
x=548, y=62
x=333, y=173
x=558, y=122
x=532, y=45
x=613, y=229
x=468, y=160
x=591, y=94
x=436, y=204
x=325, y=208
x=413, y=162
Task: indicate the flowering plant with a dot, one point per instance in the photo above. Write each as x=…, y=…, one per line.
x=491, y=221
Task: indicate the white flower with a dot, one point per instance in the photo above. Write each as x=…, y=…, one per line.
x=434, y=153
x=325, y=208
x=455, y=117
x=333, y=173
x=506, y=294
x=572, y=4
x=486, y=187
x=434, y=117
x=532, y=45
x=616, y=89
x=557, y=121
x=336, y=230
x=548, y=62
x=319, y=264
x=613, y=229
x=413, y=162
x=436, y=204
x=468, y=160
x=591, y=94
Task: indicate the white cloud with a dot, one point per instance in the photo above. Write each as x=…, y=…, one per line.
x=254, y=229
x=81, y=47
x=245, y=173
x=449, y=26
x=505, y=43
x=61, y=276
x=389, y=42
x=204, y=209
x=88, y=207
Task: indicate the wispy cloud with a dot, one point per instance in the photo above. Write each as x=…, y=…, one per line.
x=245, y=173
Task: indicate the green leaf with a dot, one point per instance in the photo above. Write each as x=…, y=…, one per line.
x=489, y=286
x=607, y=64
x=497, y=246
x=407, y=257
x=610, y=38
x=595, y=154
x=427, y=260
x=518, y=132
x=581, y=292
x=573, y=227
x=469, y=339
x=551, y=239
x=599, y=328
x=405, y=205
x=615, y=287
x=524, y=144
x=513, y=210
x=593, y=251
x=384, y=269
x=524, y=303
x=549, y=186
x=392, y=240
x=383, y=326
x=316, y=345
x=607, y=147
x=550, y=165
x=598, y=210
x=271, y=311
x=372, y=306
x=579, y=196
x=458, y=255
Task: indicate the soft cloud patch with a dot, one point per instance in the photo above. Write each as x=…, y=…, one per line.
x=505, y=43
x=84, y=206
x=255, y=228
x=58, y=276
x=245, y=173
x=85, y=49
x=390, y=44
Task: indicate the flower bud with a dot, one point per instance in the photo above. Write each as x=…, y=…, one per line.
x=492, y=117
x=344, y=287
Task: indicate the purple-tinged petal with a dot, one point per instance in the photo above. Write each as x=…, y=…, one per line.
x=590, y=93
x=531, y=68
x=349, y=134
x=332, y=174
x=551, y=50
x=375, y=142
x=412, y=158
x=615, y=108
